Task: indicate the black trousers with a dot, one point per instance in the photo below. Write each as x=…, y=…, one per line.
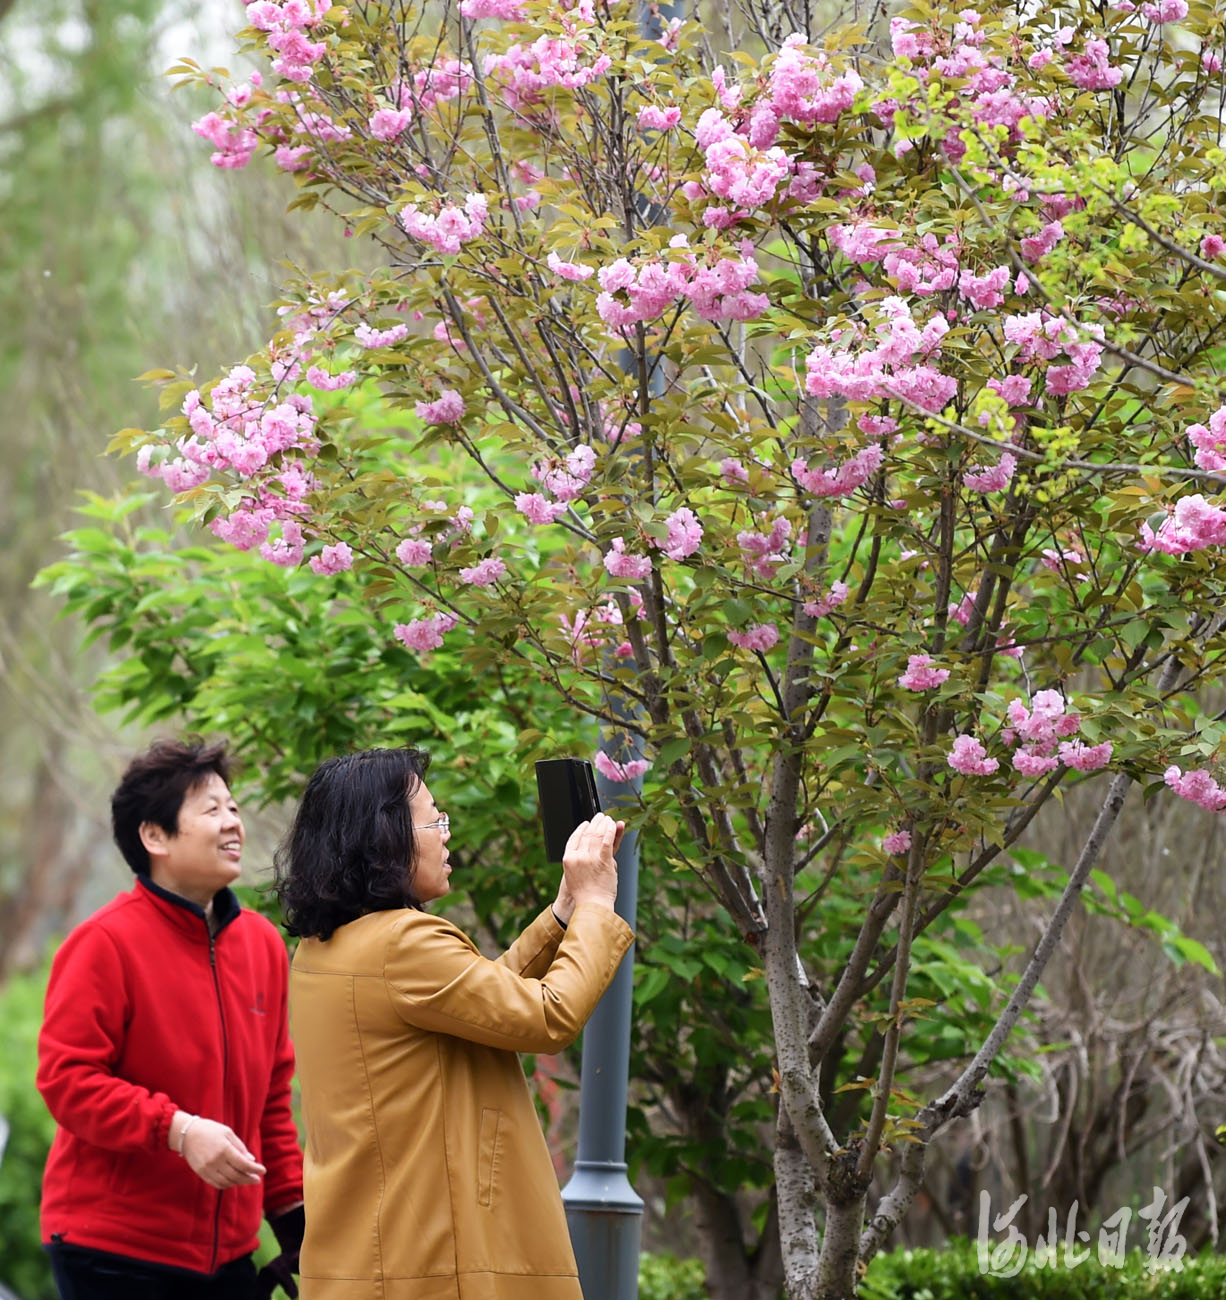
x=94, y=1275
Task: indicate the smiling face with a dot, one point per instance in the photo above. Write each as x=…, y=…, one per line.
x=431, y=873
x=205, y=854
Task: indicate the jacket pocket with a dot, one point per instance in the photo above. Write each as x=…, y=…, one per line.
x=487, y=1155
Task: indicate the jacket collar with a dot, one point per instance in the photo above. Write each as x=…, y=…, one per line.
x=185, y=914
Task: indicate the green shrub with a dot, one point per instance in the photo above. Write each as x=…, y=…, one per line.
x=954, y=1273
x=665, y=1277
x=23, y=1266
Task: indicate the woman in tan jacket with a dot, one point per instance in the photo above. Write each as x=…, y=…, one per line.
x=427, y=1176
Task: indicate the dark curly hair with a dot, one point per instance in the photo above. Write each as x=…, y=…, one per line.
x=154, y=787
x=350, y=850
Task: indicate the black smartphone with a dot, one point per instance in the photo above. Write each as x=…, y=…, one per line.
x=567, y=789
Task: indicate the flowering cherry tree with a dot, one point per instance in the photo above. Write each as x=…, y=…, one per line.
x=852, y=401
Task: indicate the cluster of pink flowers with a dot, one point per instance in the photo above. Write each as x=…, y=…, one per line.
x=684, y=534
x=447, y=408
x=1193, y=525
x=764, y=552
x=1039, y=336
x=332, y=559
x=425, y=634
x=1042, y=734
x=653, y=118
x=732, y=472
x=1091, y=70
x=744, y=166
x=1210, y=442
x=995, y=478
x=600, y=627
x=233, y=143
x=387, y=123
x=969, y=757
x=1198, y=786
x=286, y=25
x=505, y=10
x=985, y=85
x=897, y=367
x=920, y=675
x=573, y=271
x=451, y=227
x=621, y=563
x=238, y=435
x=641, y=292
x=567, y=480
x=897, y=842
x=484, y=574
x=373, y=338
x=524, y=72
x=830, y=601
x=612, y=770
x=843, y=478
x=538, y=509
x=760, y=637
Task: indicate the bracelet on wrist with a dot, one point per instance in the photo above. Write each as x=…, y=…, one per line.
x=183, y=1133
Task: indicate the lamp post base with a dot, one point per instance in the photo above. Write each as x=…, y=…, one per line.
x=605, y=1217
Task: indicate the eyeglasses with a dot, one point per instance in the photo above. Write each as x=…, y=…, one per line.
x=443, y=824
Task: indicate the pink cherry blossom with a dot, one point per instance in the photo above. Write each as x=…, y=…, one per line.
x=1193, y=525
x=621, y=563
x=332, y=559
x=317, y=377
x=732, y=472
x=651, y=118
x=285, y=550
x=538, y=509
x=760, y=636
x=1166, y=11
x=612, y=770
x=684, y=535
x=1198, y=786
x=995, y=478
x=509, y=10
x=447, y=408
x=1091, y=71
x=1031, y=762
x=484, y=574
x=425, y=634
x=970, y=758
x=388, y=123
x=568, y=270
x=1015, y=389
x=897, y=842
x=920, y=676
x=1085, y=758
x=1212, y=246
x=841, y=480
x=832, y=600
x=372, y=338
x=567, y=481
x=413, y=553
x=451, y=228
x=764, y=551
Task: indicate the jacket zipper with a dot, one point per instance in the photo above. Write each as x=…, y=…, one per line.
x=225, y=1071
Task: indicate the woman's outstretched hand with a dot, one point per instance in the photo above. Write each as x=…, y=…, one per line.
x=589, y=871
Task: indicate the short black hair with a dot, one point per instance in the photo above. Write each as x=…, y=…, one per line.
x=350, y=849
x=153, y=789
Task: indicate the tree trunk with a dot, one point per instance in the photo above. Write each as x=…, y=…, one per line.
x=840, y=1254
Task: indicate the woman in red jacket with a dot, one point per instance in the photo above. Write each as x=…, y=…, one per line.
x=166, y=1062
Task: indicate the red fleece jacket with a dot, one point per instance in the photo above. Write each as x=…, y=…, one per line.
x=145, y=1015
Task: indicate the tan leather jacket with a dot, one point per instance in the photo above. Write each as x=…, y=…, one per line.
x=427, y=1176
